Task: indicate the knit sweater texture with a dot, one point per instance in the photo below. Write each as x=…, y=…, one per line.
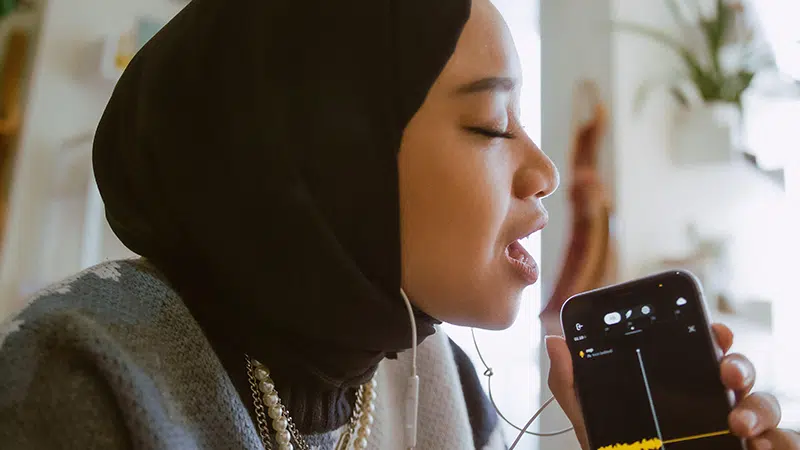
x=112, y=359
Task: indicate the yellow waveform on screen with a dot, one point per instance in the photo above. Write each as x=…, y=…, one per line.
x=644, y=444
x=656, y=444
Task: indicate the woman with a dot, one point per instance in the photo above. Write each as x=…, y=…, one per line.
x=265, y=159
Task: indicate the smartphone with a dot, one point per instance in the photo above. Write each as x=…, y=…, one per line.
x=647, y=366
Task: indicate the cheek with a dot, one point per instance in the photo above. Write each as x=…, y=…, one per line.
x=454, y=199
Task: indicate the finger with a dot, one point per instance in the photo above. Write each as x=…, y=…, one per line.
x=561, y=383
x=776, y=440
x=560, y=379
x=738, y=374
x=724, y=336
x=754, y=415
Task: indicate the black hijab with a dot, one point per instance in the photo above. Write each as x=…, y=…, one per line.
x=249, y=151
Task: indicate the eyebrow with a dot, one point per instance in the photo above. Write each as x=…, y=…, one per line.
x=503, y=84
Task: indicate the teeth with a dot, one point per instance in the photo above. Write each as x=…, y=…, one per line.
x=518, y=254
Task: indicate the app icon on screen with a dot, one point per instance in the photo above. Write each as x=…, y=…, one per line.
x=612, y=318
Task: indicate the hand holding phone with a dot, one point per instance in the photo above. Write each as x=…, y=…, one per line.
x=646, y=367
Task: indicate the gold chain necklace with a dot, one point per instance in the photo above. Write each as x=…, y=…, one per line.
x=267, y=404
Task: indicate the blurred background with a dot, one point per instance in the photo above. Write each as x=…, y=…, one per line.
x=674, y=124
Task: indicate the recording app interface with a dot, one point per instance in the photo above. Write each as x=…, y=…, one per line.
x=646, y=374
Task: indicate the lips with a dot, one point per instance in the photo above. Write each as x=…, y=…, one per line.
x=522, y=262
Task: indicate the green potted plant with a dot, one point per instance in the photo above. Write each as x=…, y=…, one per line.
x=726, y=62
x=720, y=56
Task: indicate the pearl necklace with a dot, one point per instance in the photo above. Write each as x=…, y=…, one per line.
x=265, y=397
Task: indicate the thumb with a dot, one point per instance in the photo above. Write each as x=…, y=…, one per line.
x=562, y=385
x=560, y=377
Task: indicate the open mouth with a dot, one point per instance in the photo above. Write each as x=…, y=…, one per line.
x=522, y=262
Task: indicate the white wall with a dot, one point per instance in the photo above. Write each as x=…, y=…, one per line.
x=66, y=98
x=641, y=147
x=657, y=199
x=576, y=45
x=787, y=312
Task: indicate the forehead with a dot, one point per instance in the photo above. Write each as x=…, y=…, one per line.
x=484, y=49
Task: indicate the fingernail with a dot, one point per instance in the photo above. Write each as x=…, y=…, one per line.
x=550, y=338
x=761, y=444
x=749, y=419
x=744, y=369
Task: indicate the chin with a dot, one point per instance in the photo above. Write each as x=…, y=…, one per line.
x=501, y=320
x=494, y=315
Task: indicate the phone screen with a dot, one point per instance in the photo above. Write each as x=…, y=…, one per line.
x=646, y=369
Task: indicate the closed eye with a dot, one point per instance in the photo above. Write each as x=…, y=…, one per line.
x=491, y=133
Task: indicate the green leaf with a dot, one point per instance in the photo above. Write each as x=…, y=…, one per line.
x=724, y=21
x=708, y=79
x=746, y=77
x=664, y=39
x=679, y=96
x=704, y=80
x=7, y=6
x=645, y=89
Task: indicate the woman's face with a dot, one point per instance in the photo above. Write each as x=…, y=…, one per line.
x=472, y=184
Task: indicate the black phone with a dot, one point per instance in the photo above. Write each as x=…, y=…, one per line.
x=646, y=366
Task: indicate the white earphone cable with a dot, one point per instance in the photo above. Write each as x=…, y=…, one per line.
x=488, y=373
x=412, y=387
x=412, y=392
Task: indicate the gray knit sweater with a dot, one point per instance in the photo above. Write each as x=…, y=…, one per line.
x=112, y=359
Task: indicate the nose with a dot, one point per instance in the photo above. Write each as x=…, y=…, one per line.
x=537, y=176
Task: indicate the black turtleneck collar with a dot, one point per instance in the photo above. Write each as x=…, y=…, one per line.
x=250, y=152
